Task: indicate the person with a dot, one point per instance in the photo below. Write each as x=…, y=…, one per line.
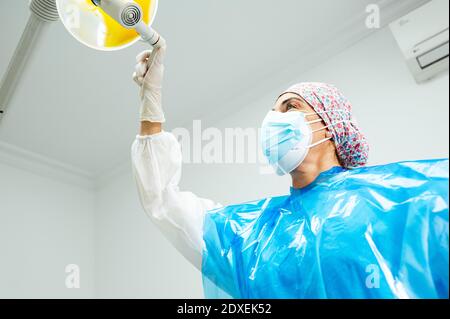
x=310, y=134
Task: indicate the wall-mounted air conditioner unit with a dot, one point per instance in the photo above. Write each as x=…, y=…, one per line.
x=423, y=36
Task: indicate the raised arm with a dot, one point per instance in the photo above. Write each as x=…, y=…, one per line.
x=157, y=161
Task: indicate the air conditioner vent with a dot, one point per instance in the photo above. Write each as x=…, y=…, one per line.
x=425, y=44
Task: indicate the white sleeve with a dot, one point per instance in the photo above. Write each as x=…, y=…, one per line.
x=179, y=215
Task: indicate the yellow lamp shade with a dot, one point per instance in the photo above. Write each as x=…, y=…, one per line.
x=90, y=25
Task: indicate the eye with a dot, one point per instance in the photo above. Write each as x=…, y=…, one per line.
x=290, y=106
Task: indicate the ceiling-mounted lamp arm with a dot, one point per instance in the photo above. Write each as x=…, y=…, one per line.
x=42, y=12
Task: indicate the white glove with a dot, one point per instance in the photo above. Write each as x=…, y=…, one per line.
x=149, y=76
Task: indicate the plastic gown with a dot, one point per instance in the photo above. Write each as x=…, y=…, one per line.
x=374, y=232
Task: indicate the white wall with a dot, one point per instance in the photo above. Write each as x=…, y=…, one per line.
x=45, y=225
x=133, y=260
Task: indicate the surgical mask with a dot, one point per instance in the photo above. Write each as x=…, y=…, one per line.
x=287, y=139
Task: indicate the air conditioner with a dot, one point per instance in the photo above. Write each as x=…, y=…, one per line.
x=423, y=37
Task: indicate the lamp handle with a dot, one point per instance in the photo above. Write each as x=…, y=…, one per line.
x=149, y=35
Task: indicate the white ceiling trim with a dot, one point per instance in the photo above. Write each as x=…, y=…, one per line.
x=109, y=176
x=46, y=167
x=313, y=54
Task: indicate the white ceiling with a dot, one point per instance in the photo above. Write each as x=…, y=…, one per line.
x=80, y=107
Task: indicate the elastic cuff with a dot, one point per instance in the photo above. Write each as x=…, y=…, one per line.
x=151, y=137
x=153, y=120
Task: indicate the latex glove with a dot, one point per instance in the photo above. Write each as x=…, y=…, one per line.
x=149, y=76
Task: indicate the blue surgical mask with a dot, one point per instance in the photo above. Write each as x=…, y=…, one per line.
x=287, y=139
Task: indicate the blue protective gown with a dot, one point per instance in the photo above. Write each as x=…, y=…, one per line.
x=373, y=232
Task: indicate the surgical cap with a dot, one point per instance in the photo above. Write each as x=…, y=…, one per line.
x=351, y=144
